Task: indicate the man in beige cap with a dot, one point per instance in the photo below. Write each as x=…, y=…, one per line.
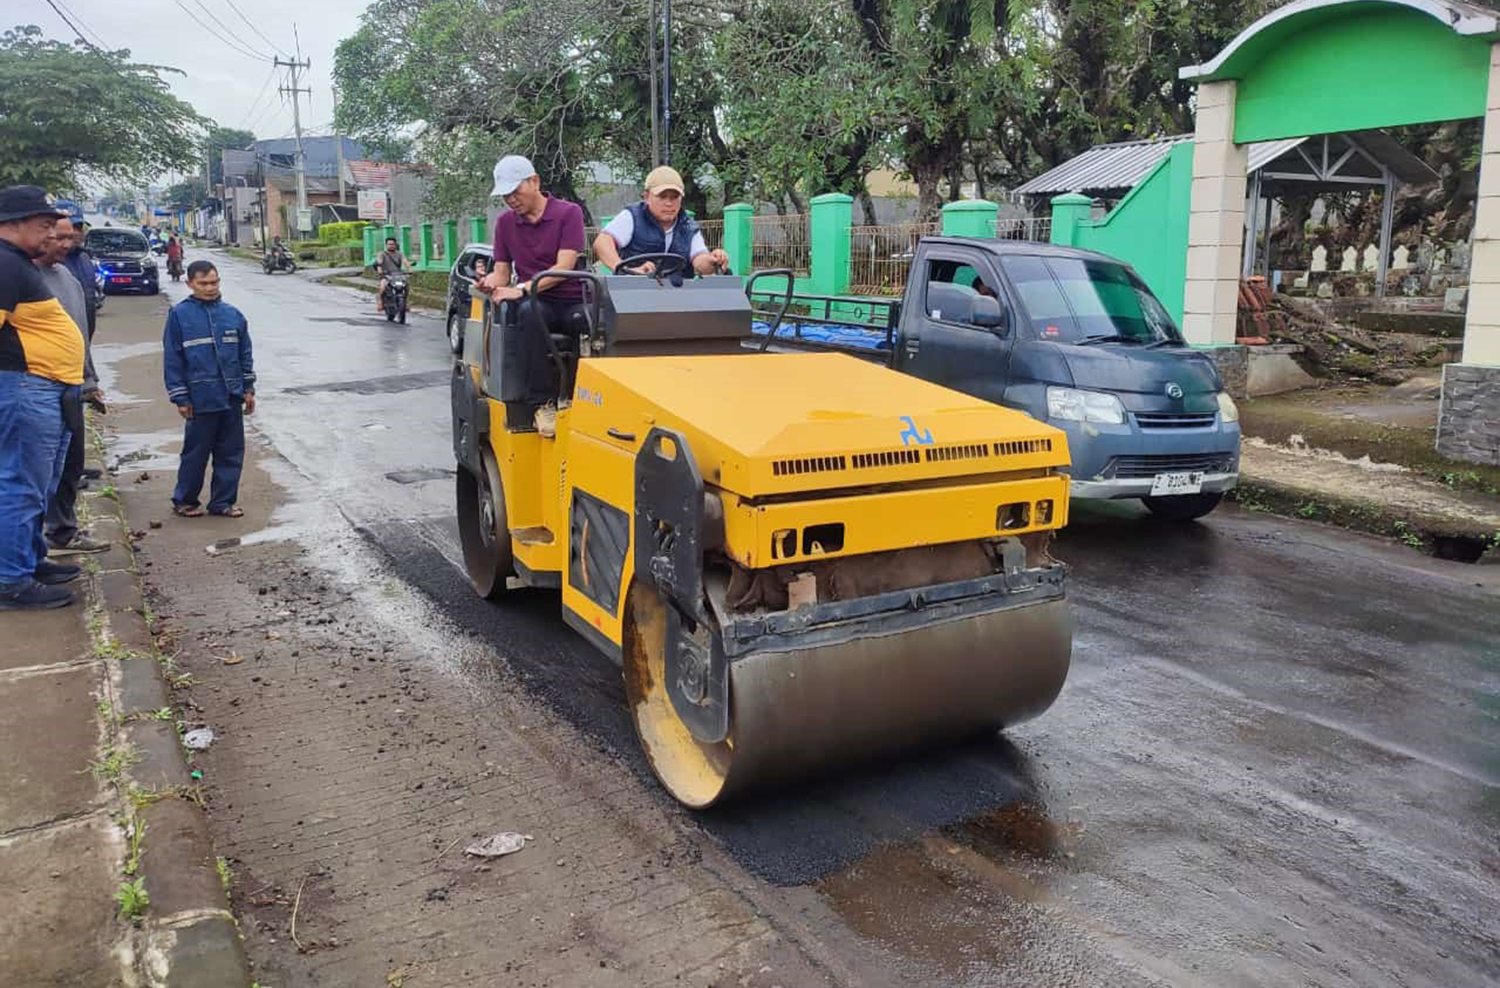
x=656, y=225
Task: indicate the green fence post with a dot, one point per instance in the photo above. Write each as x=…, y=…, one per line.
x=476, y=230
x=738, y=236
x=970, y=218
x=450, y=240
x=1069, y=210
x=425, y=255
x=405, y=239
x=832, y=216
x=370, y=249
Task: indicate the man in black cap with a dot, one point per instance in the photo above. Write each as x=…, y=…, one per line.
x=41, y=369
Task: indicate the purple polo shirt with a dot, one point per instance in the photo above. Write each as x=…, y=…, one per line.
x=531, y=248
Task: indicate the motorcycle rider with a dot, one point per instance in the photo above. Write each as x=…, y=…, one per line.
x=391, y=261
x=174, y=257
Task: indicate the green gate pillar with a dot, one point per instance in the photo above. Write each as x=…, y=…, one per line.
x=738, y=231
x=476, y=230
x=832, y=216
x=425, y=256
x=1069, y=210
x=405, y=240
x=370, y=244
x=450, y=240
x=970, y=218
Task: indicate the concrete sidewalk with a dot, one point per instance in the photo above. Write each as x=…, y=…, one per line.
x=103, y=847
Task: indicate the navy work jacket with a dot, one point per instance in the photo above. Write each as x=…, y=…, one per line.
x=206, y=357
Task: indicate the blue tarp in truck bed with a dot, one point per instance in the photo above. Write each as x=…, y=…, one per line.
x=836, y=334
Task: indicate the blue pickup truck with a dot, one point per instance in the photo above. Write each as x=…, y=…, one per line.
x=1071, y=337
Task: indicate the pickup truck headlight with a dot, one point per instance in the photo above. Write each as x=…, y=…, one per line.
x=1073, y=405
x=1227, y=408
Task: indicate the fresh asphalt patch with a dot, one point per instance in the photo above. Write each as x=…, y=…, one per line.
x=394, y=384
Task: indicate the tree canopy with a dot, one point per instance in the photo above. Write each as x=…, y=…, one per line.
x=73, y=113
x=777, y=100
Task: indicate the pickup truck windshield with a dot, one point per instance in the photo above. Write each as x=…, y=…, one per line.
x=115, y=242
x=1076, y=301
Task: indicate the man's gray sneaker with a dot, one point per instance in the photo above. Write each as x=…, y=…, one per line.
x=78, y=544
x=34, y=596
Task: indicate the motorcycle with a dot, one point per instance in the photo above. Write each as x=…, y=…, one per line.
x=174, y=268
x=393, y=299
x=278, y=259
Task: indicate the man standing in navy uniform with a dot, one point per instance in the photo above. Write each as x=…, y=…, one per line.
x=210, y=376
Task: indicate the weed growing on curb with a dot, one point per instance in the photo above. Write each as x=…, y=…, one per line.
x=225, y=875
x=1405, y=534
x=117, y=758
x=135, y=831
x=108, y=490
x=132, y=899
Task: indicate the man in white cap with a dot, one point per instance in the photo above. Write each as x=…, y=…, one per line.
x=539, y=233
x=656, y=225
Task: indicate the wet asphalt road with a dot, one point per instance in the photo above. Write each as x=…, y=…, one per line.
x=1276, y=761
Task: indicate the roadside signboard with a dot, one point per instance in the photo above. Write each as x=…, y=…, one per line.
x=374, y=205
x=304, y=220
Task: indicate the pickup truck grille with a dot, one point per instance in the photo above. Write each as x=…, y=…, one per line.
x=1136, y=467
x=1175, y=420
x=122, y=267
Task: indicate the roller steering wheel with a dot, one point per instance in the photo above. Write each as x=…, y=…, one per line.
x=667, y=265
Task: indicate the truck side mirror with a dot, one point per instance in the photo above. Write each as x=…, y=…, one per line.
x=985, y=311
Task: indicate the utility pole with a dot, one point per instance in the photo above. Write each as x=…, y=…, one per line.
x=651, y=71
x=666, y=82
x=338, y=136
x=294, y=66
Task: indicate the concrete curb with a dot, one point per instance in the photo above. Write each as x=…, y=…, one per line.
x=189, y=936
x=1432, y=534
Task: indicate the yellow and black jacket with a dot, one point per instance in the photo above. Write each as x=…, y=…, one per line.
x=36, y=334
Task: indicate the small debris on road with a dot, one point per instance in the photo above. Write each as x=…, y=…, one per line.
x=155, y=523
x=214, y=548
x=232, y=660
x=498, y=845
x=200, y=739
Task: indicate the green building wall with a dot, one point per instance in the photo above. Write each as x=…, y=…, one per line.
x=1148, y=229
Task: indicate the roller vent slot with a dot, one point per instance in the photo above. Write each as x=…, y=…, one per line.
x=889, y=458
x=1018, y=447
x=973, y=451
x=807, y=464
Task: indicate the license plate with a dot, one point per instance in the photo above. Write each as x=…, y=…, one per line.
x=120, y=281
x=1166, y=484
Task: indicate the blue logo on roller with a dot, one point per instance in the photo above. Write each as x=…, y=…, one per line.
x=911, y=434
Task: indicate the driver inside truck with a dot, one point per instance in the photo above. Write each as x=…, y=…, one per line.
x=656, y=225
x=538, y=233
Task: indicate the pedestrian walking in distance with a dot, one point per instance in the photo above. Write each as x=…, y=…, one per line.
x=41, y=370
x=210, y=377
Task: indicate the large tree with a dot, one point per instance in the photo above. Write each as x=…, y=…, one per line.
x=216, y=142
x=72, y=113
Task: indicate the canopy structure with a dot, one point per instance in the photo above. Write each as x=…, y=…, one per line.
x=1353, y=161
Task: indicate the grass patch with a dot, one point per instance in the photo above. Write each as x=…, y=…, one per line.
x=226, y=877
x=116, y=759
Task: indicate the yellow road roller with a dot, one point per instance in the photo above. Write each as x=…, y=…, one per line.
x=799, y=560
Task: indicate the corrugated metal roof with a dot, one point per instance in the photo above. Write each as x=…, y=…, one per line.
x=1102, y=168
x=1116, y=168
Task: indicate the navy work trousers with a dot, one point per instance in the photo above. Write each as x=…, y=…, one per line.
x=220, y=435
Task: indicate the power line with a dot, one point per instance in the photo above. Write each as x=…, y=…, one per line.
x=265, y=88
x=92, y=33
x=242, y=51
x=235, y=7
x=228, y=31
x=74, y=27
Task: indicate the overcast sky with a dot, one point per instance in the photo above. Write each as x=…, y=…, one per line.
x=227, y=85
